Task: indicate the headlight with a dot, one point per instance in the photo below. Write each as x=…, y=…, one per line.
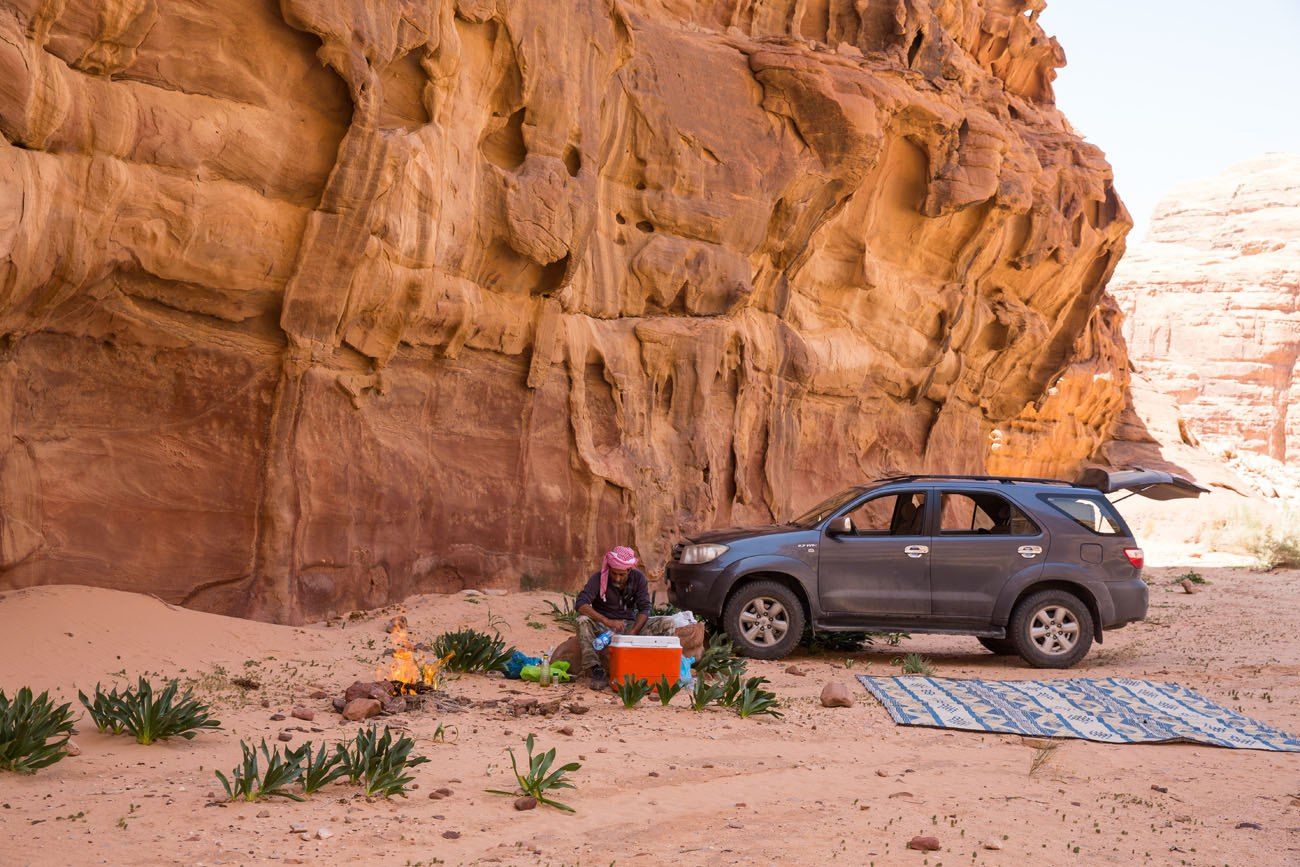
x=696, y=554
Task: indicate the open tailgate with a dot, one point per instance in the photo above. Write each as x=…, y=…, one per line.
x=1154, y=484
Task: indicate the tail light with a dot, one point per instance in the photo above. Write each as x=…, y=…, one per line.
x=1135, y=557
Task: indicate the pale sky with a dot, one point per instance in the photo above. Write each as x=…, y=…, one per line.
x=1174, y=90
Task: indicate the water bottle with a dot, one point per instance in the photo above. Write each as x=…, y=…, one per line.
x=600, y=642
x=544, y=678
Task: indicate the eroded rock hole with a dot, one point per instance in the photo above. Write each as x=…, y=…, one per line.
x=572, y=161
x=645, y=226
x=505, y=147
x=620, y=219
x=915, y=48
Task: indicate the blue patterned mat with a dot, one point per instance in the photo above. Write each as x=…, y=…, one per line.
x=1115, y=710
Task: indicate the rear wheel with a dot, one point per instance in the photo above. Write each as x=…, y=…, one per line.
x=1000, y=646
x=764, y=619
x=1051, y=629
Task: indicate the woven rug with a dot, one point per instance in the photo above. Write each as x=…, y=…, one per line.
x=1114, y=710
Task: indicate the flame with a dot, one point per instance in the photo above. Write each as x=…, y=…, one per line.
x=406, y=670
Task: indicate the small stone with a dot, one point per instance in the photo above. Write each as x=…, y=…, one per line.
x=796, y=671
x=398, y=622
x=992, y=845
x=284, y=737
x=361, y=708
x=578, y=709
x=836, y=694
x=276, y=717
x=297, y=828
x=380, y=690
x=324, y=833
x=395, y=705
x=263, y=814
x=1189, y=587
x=445, y=792
x=339, y=704
x=451, y=835
x=734, y=824
x=72, y=749
x=565, y=730
x=924, y=844
x=882, y=773
x=654, y=773
x=1161, y=789
x=434, y=796
x=1249, y=826
x=303, y=713
x=319, y=693
x=527, y=802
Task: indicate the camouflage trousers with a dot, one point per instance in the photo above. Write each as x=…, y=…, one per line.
x=588, y=629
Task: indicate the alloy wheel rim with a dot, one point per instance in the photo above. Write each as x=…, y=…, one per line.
x=764, y=621
x=1054, y=630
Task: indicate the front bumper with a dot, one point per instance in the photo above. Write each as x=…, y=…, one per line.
x=1130, y=599
x=694, y=588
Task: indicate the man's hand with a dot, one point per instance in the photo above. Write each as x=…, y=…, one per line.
x=607, y=622
x=639, y=624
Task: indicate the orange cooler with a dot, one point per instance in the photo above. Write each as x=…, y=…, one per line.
x=648, y=656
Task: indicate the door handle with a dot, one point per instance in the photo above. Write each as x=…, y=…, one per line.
x=915, y=551
x=1029, y=552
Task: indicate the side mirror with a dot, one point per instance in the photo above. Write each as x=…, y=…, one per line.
x=841, y=526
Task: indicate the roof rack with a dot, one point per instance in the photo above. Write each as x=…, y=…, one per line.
x=1006, y=480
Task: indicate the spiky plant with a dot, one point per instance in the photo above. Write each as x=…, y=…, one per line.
x=378, y=762
x=472, y=650
x=731, y=690
x=564, y=613
x=249, y=782
x=704, y=694
x=632, y=690
x=666, y=689
x=34, y=731
x=540, y=779
x=319, y=769
x=915, y=663
x=148, y=716
x=719, y=659
x=753, y=700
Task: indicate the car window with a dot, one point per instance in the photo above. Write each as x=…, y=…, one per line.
x=1095, y=514
x=825, y=508
x=982, y=514
x=890, y=515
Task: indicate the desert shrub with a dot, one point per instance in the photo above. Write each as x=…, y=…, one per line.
x=378, y=763
x=249, y=782
x=539, y=778
x=564, y=613
x=704, y=693
x=719, y=658
x=34, y=731
x=915, y=663
x=753, y=700
x=666, y=689
x=472, y=650
x=318, y=770
x=1274, y=550
x=632, y=690
x=148, y=716
x=849, y=642
x=1194, y=577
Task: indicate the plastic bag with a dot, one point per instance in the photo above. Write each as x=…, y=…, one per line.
x=686, y=676
x=682, y=619
x=559, y=672
x=517, y=661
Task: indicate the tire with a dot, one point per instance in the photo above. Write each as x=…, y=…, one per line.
x=1059, y=618
x=757, y=613
x=999, y=646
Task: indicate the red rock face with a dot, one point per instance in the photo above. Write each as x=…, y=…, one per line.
x=1212, y=298
x=311, y=305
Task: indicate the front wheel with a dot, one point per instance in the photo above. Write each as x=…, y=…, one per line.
x=1051, y=629
x=764, y=619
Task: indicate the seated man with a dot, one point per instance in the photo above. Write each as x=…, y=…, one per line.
x=615, y=599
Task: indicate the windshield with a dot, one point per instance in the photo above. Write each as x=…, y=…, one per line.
x=825, y=508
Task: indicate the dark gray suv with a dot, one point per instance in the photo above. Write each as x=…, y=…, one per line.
x=1035, y=567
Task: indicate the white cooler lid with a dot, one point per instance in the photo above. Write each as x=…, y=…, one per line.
x=646, y=641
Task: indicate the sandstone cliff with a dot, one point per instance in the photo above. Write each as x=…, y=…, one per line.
x=1212, y=298
x=309, y=306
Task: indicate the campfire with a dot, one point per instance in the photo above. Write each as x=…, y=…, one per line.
x=408, y=674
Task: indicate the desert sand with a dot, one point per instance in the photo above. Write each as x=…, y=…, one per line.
x=657, y=785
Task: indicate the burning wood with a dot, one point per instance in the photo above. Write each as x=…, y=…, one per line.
x=409, y=674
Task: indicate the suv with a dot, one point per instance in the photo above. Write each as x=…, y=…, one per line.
x=1035, y=567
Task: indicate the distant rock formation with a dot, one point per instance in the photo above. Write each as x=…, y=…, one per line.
x=1212, y=306
x=310, y=305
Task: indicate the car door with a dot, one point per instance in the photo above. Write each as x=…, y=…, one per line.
x=881, y=567
x=980, y=542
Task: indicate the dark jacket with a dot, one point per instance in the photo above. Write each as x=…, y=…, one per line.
x=634, y=600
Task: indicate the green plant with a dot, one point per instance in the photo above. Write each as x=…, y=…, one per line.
x=666, y=689
x=441, y=732
x=101, y=709
x=378, y=762
x=318, y=770
x=248, y=782
x=150, y=717
x=719, y=659
x=753, y=700
x=472, y=650
x=915, y=663
x=704, y=694
x=731, y=690
x=1272, y=551
x=665, y=610
x=1194, y=577
x=632, y=690
x=34, y=731
x=540, y=779
x=564, y=613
